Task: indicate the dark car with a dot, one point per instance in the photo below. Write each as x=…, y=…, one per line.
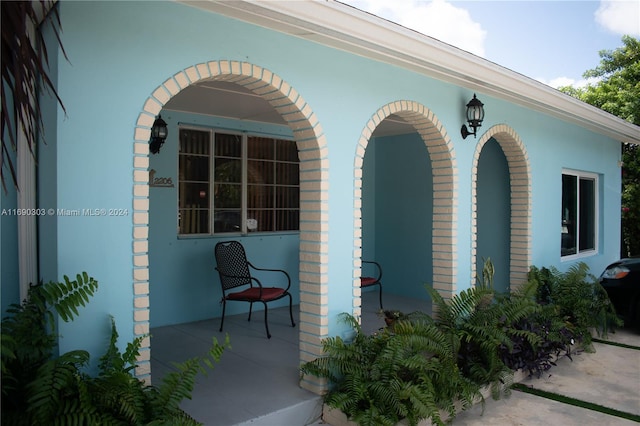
x=621, y=280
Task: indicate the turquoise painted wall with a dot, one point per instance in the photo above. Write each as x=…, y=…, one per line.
x=403, y=212
x=561, y=146
x=494, y=214
x=120, y=52
x=184, y=285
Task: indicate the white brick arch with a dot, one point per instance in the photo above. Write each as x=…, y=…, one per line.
x=312, y=150
x=520, y=184
x=445, y=191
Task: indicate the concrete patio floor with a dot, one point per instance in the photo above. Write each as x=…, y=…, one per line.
x=256, y=382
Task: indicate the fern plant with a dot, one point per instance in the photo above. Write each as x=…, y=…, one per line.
x=63, y=395
x=551, y=339
x=578, y=299
x=382, y=378
x=479, y=323
x=417, y=367
x=39, y=388
x=28, y=333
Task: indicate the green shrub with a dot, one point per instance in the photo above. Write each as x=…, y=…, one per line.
x=379, y=379
x=421, y=364
x=551, y=339
x=578, y=299
x=39, y=388
x=480, y=322
x=28, y=333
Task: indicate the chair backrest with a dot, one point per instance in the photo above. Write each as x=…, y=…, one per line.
x=232, y=264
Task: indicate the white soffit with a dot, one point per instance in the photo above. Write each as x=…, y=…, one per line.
x=335, y=24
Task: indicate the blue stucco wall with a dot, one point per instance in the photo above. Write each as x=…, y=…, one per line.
x=120, y=52
x=561, y=146
x=185, y=286
x=494, y=214
x=403, y=208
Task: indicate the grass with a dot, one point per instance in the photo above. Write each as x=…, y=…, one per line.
x=621, y=345
x=576, y=402
x=580, y=403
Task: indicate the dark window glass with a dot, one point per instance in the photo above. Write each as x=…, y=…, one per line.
x=269, y=187
x=578, y=214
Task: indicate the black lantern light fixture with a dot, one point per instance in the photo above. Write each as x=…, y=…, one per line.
x=158, y=135
x=475, y=115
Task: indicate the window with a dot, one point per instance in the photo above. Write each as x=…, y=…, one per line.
x=579, y=213
x=230, y=182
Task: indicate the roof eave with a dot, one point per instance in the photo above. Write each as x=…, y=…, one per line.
x=344, y=27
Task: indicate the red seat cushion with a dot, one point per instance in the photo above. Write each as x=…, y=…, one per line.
x=367, y=281
x=253, y=293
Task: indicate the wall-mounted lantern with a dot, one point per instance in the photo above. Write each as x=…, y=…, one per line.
x=158, y=135
x=475, y=115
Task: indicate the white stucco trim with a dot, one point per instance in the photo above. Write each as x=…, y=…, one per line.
x=346, y=28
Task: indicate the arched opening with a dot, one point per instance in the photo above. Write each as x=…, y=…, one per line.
x=406, y=201
x=292, y=109
x=504, y=138
x=493, y=214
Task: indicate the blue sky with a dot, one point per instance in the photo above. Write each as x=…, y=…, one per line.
x=551, y=41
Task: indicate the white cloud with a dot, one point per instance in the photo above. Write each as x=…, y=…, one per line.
x=436, y=18
x=567, y=81
x=619, y=16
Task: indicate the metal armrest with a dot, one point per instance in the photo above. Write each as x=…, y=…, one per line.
x=378, y=268
x=271, y=270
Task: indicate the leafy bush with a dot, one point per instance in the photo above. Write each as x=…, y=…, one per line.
x=578, y=299
x=28, y=333
x=379, y=379
x=535, y=356
x=38, y=388
x=480, y=323
x=420, y=364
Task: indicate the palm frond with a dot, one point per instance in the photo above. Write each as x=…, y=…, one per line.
x=25, y=62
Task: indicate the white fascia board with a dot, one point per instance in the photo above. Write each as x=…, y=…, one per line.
x=335, y=24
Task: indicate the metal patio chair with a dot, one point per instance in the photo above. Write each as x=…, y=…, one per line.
x=370, y=281
x=235, y=273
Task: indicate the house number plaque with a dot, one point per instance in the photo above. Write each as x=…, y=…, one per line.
x=159, y=182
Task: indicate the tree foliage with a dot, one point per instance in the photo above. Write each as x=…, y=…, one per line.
x=617, y=91
x=631, y=199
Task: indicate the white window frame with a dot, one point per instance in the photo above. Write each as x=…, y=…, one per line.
x=596, y=237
